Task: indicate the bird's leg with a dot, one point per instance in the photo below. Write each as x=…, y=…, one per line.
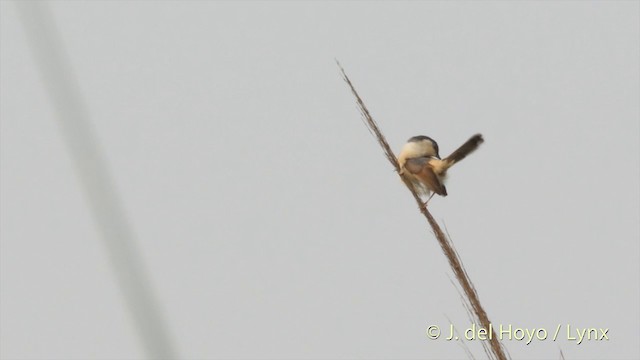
x=426, y=202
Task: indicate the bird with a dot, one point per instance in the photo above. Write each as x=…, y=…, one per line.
x=420, y=163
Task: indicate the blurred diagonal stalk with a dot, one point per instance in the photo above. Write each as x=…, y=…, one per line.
x=97, y=182
x=495, y=349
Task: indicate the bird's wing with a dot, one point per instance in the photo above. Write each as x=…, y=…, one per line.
x=421, y=169
x=415, y=165
x=467, y=148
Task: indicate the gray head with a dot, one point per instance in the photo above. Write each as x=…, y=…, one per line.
x=423, y=139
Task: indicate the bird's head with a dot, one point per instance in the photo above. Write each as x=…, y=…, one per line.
x=419, y=146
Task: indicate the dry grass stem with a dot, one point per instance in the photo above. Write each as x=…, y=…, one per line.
x=497, y=351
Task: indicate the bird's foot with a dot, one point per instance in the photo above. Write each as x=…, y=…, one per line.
x=427, y=202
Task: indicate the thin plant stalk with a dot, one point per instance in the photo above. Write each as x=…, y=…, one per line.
x=497, y=351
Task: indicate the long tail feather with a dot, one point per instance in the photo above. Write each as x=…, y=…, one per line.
x=467, y=148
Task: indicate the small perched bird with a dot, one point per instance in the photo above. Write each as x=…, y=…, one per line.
x=420, y=162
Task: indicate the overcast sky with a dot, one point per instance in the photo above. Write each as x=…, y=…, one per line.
x=268, y=219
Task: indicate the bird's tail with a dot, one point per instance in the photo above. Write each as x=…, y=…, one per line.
x=467, y=148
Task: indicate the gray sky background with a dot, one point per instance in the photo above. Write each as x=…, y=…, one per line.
x=268, y=218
